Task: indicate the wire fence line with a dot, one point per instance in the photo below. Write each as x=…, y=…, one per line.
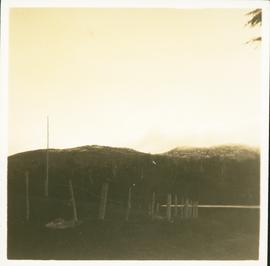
x=176, y=206
x=220, y=206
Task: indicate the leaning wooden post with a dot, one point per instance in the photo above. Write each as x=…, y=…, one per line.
x=103, y=201
x=153, y=205
x=27, y=196
x=169, y=203
x=175, y=205
x=73, y=201
x=128, y=203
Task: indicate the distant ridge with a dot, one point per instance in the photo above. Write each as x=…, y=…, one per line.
x=99, y=147
x=84, y=148
x=234, y=151
x=228, y=150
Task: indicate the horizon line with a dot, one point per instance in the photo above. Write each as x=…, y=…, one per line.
x=254, y=147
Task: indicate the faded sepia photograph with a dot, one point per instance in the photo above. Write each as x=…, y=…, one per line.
x=134, y=133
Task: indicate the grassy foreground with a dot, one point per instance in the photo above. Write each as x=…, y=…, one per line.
x=216, y=235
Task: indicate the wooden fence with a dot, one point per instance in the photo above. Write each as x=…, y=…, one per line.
x=176, y=207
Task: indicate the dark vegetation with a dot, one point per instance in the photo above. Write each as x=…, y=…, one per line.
x=218, y=234
x=219, y=175
x=255, y=19
x=222, y=175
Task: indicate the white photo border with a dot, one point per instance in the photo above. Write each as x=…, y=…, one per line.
x=197, y=4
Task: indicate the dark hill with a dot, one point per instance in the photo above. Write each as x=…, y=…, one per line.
x=218, y=175
x=235, y=152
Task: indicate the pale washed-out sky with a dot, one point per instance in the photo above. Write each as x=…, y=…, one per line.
x=148, y=79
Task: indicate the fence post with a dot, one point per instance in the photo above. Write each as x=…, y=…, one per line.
x=175, y=205
x=128, y=203
x=169, y=202
x=149, y=209
x=157, y=208
x=190, y=208
x=186, y=209
x=182, y=208
x=195, y=210
x=103, y=201
x=74, y=207
x=153, y=205
x=27, y=196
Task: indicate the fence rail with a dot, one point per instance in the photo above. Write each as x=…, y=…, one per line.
x=217, y=206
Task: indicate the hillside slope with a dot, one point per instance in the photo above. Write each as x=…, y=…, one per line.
x=225, y=174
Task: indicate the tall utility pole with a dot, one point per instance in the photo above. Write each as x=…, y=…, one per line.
x=46, y=188
x=27, y=195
